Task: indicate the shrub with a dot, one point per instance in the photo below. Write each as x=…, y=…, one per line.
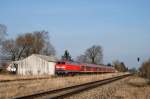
x=120, y=66
x=145, y=69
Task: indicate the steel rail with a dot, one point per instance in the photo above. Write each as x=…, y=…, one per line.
x=67, y=91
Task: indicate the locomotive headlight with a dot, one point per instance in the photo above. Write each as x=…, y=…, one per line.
x=63, y=67
x=60, y=67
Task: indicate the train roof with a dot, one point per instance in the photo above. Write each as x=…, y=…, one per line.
x=94, y=65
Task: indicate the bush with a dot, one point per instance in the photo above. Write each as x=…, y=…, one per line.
x=120, y=66
x=145, y=69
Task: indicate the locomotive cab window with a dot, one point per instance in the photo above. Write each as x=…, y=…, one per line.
x=60, y=62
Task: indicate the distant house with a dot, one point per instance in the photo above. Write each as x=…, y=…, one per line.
x=34, y=65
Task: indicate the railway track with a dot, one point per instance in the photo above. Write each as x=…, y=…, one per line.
x=63, y=92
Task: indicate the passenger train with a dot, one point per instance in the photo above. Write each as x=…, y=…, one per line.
x=76, y=68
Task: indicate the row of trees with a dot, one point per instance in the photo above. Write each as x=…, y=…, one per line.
x=22, y=46
x=92, y=55
x=27, y=44
x=38, y=42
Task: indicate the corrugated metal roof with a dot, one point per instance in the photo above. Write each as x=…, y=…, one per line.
x=47, y=58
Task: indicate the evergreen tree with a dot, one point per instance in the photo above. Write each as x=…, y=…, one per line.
x=66, y=56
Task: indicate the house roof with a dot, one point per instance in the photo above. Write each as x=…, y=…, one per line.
x=47, y=58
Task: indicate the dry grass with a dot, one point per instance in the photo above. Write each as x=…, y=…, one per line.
x=128, y=88
x=135, y=88
x=17, y=88
x=11, y=77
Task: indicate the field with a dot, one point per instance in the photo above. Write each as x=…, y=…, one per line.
x=25, y=87
x=128, y=88
x=8, y=77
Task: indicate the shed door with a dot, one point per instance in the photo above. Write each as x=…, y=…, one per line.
x=51, y=66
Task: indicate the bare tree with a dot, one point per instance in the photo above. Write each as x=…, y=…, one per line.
x=29, y=43
x=24, y=43
x=48, y=48
x=94, y=54
x=9, y=47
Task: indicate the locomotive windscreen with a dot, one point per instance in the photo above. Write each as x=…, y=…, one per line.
x=60, y=62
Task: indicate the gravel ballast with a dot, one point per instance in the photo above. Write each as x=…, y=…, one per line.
x=128, y=88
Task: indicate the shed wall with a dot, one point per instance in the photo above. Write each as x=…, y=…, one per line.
x=34, y=65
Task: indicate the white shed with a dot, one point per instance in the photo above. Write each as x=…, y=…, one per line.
x=36, y=65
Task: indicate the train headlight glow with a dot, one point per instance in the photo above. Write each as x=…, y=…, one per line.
x=61, y=67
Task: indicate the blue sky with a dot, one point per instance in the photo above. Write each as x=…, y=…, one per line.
x=121, y=27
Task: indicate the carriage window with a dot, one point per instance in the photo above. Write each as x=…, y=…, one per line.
x=82, y=67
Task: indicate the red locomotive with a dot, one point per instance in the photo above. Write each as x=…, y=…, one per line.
x=75, y=67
